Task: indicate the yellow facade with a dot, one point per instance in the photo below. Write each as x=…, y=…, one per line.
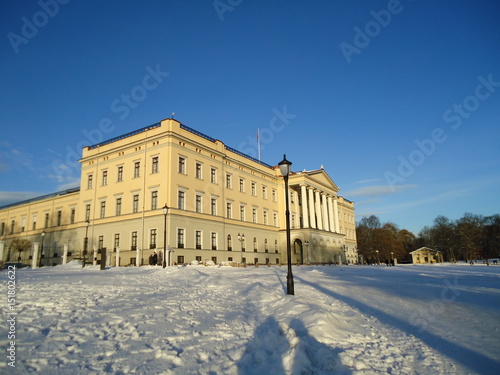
x=223, y=206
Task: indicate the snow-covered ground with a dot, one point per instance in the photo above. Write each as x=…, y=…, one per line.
x=409, y=319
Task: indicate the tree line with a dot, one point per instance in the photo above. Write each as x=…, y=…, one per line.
x=470, y=237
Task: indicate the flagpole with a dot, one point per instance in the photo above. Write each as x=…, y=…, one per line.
x=258, y=142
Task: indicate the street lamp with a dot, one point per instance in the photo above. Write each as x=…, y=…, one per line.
x=165, y=212
x=285, y=171
x=241, y=238
x=85, y=242
x=41, y=249
x=378, y=257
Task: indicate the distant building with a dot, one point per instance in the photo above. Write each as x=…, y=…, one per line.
x=223, y=206
x=427, y=255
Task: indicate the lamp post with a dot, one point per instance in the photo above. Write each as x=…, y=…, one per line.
x=344, y=249
x=41, y=249
x=285, y=171
x=378, y=257
x=165, y=212
x=85, y=242
x=241, y=238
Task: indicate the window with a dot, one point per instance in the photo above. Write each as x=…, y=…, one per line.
x=103, y=209
x=198, y=203
x=229, y=181
x=134, y=241
x=229, y=243
x=182, y=165
x=180, y=259
x=256, y=260
x=101, y=242
x=213, y=237
x=213, y=175
x=2, y=229
x=274, y=195
x=46, y=220
x=213, y=206
x=242, y=185
x=180, y=200
x=197, y=239
x=180, y=238
x=59, y=219
x=135, y=203
x=154, y=200
x=154, y=164
x=118, y=206
x=12, y=226
x=104, y=177
x=214, y=259
x=89, y=181
x=87, y=212
x=243, y=260
x=255, y=244
x=266, y=246
x=198, y=172
x=242, y=213
x=137, y=169
x=71, y=217
x=152, y=239
x=34, y=225
x=119, y=174
x=276, y=246
x=254, y=215
x=254, y=189
x=275, y=219
x=198, y=258
x=265, y=217
x=117, y=241
x=264, y=192
x=292, y=197
x=229, y=209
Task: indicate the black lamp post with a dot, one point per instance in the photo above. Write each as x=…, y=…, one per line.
x=285, y=171
x=241, y=238
x=41, y=249
x=165, y=212
x=85, y=242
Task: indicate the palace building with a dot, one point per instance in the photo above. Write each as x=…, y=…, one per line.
x=223, y=206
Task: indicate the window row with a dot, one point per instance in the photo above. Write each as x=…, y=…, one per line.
x=198, y=242
x=242, y=184
x=229, y=209
x=34, y=223
x=135, y=171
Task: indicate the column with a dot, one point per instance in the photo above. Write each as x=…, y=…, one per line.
x=65, y=254
x=326, y=223
x=305, y=212
x=34, y=260
x=118, y=256
x=2, y=247
x=312, y=215
x=318, y=210
x=137, y=257
x=330, y=214
x=336, y=215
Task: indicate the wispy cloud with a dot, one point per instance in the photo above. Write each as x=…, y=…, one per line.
x=368, y=181
x=7, y=197
x=449, y=195
x=378, y=190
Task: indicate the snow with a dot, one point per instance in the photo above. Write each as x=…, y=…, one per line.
x=409, y=319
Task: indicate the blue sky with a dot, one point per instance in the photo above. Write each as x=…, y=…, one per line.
x=399, y=100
